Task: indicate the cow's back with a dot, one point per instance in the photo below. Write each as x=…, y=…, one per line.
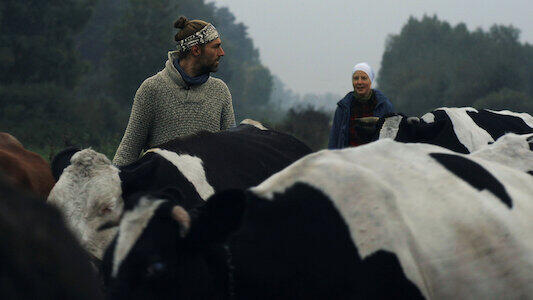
x=24, y=168
x=456, y=232
x=461, y=129
x=208, y=162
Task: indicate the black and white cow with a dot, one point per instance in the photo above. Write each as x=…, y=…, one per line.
x=462, y=130
x=386, y=220
x=91, y=190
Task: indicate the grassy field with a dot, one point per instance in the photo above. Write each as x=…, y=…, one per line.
x=107, y=147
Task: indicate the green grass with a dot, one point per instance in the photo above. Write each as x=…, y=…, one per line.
x=107, y=147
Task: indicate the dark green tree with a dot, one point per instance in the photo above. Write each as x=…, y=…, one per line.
x=249, y=81
x=138, y=46
x=144, y=34
x=39, y=67
x=432, y=64
x=309, y=124
x=93, y=41
x=506, y=99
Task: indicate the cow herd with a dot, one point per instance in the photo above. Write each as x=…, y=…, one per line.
x=435, y=207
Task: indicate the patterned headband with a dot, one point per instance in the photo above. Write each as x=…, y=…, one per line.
x=205, y=35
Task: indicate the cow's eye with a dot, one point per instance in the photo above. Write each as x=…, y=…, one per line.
x=156, y=269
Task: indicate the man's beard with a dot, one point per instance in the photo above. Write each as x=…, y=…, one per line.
x=209, y=67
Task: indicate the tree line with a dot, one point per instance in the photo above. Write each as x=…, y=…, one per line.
x=69, y=70
x=431, y=64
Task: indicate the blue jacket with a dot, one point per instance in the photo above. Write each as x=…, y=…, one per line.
x=339, y=134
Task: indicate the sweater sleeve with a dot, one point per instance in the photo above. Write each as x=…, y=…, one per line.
x=136, y=134
x=227, y=119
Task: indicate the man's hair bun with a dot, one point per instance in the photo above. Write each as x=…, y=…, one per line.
x=187, y=28
x=181, y=22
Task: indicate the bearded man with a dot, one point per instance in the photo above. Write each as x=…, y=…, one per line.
x=182, y=99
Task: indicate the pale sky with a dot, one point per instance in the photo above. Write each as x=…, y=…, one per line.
x=312, y=45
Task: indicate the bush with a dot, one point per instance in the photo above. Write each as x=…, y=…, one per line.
x=506, y=99
x=309, y=124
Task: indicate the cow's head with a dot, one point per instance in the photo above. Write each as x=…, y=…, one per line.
x=88, y=193
x=407, y=129
x=163, y=251
x=388, y=126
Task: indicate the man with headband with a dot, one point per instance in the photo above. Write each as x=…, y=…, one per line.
x=353, y=123
x=183, y=98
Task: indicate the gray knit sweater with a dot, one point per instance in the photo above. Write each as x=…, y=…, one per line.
x=164, y=109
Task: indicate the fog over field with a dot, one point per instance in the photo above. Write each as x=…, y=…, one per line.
x=312, y=45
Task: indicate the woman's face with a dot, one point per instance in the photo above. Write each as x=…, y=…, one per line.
x=361, y=83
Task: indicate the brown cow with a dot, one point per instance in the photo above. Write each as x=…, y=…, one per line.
x=24, y=168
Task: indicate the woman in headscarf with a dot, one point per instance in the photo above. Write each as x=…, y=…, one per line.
x=355, y=109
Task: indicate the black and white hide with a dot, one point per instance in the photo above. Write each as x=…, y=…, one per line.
x=511, y=150
x=386, y=220
x=91, y=190
x=39, y=257
x=462, y=130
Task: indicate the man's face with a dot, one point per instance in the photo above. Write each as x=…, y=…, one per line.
x=361, y=83
x=210, y=56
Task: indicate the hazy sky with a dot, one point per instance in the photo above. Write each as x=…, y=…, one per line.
x=312, y=45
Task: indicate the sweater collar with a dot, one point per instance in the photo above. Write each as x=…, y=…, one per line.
x=190, y=81
x=173, y=73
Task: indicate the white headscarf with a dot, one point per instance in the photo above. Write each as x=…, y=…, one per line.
x=365, y=68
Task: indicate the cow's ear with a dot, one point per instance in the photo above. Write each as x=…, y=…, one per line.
x=219, y=217
x=182, y=217
x=62, y=160
x=136, y=177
